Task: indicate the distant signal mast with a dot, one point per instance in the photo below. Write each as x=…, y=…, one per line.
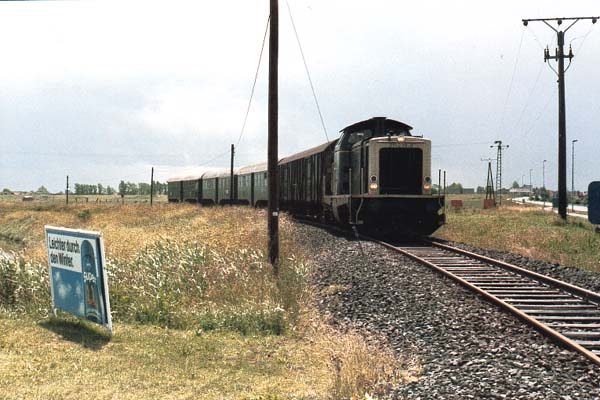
x=499, y=146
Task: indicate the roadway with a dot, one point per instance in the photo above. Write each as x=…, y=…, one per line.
x=547, y=206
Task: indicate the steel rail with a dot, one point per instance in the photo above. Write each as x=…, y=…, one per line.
x=587, y=294
x=544, y=328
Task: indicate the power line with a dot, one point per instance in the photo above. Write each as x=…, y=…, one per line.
x=262, y=48
x=542, y=111
x=584, y=38
x=537, y=79
x=306, y=69
x=511, y=81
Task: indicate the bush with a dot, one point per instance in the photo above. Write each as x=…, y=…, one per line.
x=23, y=286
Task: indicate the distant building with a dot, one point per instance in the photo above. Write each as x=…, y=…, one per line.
x=524, y=190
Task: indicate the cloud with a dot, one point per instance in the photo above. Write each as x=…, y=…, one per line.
x=64, y=290
x=102, y=91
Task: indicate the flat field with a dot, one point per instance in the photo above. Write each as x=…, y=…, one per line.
x=88, y=199
x=198, y=312
x=528, y=231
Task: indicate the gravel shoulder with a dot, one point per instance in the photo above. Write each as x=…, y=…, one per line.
x=468, y=347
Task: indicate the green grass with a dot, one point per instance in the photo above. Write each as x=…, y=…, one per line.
x=67, y=359
x=529, y=232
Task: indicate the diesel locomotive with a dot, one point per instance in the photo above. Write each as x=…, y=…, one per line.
x=376, y=176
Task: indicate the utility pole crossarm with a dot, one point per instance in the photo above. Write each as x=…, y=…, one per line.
x=558, y=20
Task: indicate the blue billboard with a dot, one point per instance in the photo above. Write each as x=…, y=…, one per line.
x=78, y=280
x=594, y=202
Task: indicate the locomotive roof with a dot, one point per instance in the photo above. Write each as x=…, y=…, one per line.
x=252, y=168
x=307, y=153
x=367, y=123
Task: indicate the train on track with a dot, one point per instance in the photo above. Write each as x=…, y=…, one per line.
x=376, y=176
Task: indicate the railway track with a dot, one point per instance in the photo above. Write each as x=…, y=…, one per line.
x=564, y=312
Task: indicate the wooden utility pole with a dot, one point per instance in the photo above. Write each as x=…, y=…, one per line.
x=273, y=209
x=67, y=191
x=231, y=177
x=151, y=186
x=560, y=56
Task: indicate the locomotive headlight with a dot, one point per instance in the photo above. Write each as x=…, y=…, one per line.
x=401, y=139
x=373, y=185
x=427, y=184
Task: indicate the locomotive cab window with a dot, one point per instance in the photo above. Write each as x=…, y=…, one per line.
x=351, y=138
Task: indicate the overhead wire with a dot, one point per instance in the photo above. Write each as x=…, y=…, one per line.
x=534, y=122
x=534, y=87
x=262, y=48
x=511, y=81
x=584, y=38
x=312, y=88
x=537, y=79
x=535, y=37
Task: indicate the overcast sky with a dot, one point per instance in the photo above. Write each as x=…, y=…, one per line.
x=102, y=91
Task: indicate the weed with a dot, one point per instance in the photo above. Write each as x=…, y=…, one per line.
x=84, y=214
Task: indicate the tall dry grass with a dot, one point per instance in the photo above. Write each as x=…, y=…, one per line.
x=201, y=269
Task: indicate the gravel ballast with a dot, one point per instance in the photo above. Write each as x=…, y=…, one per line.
x=468, y=348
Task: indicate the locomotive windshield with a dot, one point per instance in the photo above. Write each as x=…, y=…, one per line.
x=395, y=131
x=374, y=127
x=356, y=137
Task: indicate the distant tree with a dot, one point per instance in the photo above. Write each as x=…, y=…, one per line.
x=515, y=185
x=160, y=188
x=42, y=190
x=455, y=188
x=480, y=189
x=110, y=191
x=122, y=188
x=6, y=191
x=143, y=188
x=131, y=188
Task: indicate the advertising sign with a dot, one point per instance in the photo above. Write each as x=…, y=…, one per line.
x=78, y=279
x=594, y=202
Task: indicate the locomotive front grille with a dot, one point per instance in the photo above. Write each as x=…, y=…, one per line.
x=400, y=171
